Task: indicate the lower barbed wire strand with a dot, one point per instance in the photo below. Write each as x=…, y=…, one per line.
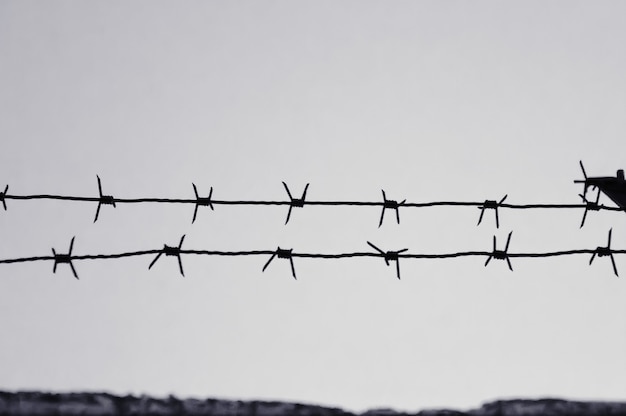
x=307, y=255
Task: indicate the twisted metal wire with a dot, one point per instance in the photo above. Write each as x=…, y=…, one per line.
x=387, y=256
x=290, y=255
x=301, y=202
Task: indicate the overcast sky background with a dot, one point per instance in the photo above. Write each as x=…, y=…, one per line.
x=428, y=100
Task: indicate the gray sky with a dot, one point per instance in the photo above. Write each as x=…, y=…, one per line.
x=429, y=100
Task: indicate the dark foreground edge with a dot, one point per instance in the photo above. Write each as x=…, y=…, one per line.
x=104, y=404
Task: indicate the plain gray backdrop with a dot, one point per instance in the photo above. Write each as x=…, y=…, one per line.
x=429, y=100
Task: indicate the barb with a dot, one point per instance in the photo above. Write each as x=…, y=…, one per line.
x=589, y=206
x=64, y=258
x=201, y=201
x=283, y=254
x=3, y=195
x=390, y=204
x=390, y=256
x=103, y=199
x=171, y=251
x=605, y=252
x=295, y=202
x=500, y=254
x=491, y=204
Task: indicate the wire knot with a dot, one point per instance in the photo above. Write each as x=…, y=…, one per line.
x=490, y=204
x=501, y=254
x=389, y=256
x=283, y=254
x=605, y=252
x=3, y=195
x=171, y=251
x=64, y=259
x=201, y=202
x=103, y=199
x=589, y=206
x=390, y=204
x=295, y=202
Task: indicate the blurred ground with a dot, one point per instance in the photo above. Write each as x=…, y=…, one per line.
x=35, y=403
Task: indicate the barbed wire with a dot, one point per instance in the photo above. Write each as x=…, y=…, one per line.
x=386, y=204
x=388, y=256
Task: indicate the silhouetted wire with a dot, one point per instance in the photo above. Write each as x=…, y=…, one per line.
x=312, y=203
x=384, y=203
x=305, y=255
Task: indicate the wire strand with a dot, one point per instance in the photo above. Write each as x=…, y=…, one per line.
x=307, y=255
x=311, y=203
